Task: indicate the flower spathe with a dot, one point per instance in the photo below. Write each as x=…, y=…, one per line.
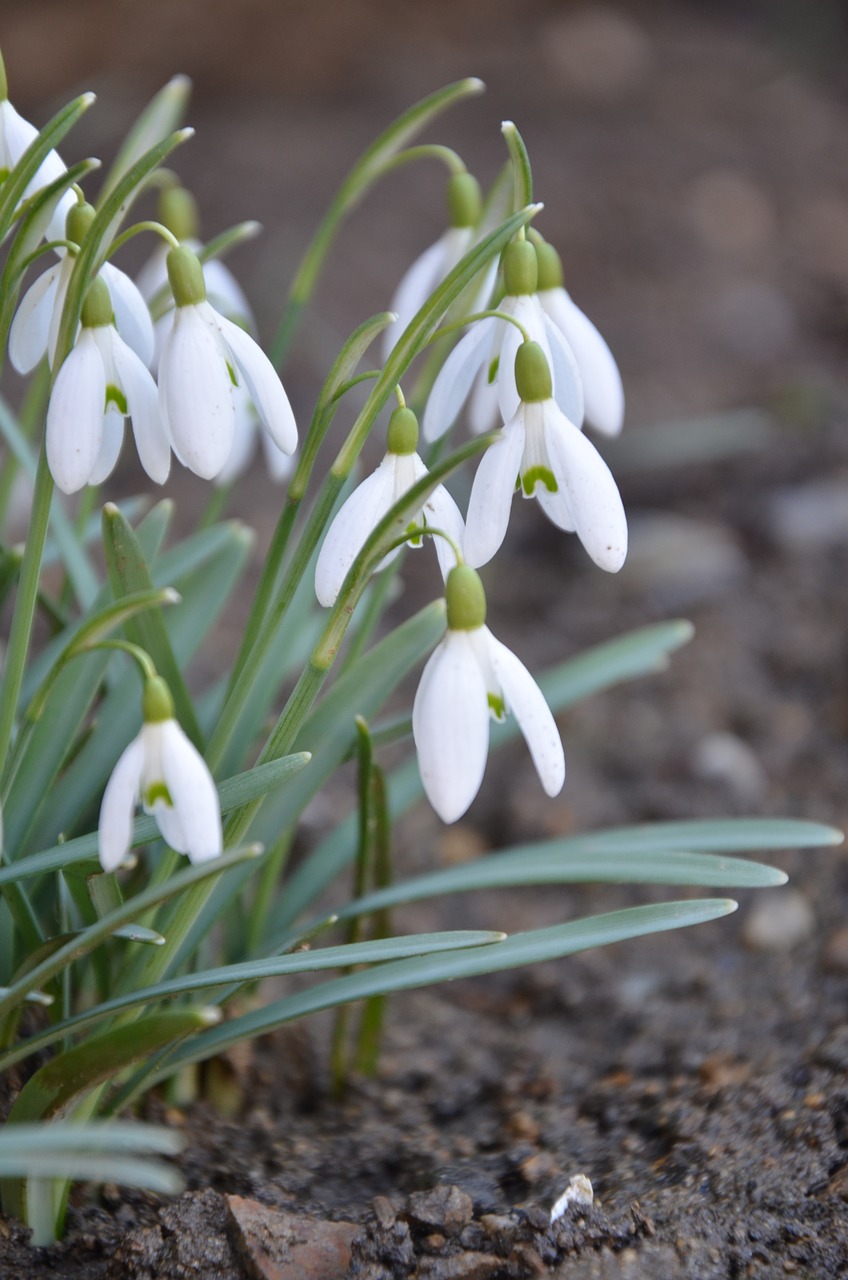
x=101, y=382
x=204, y=357
x=469, y=679
x=161, y=770
x=399, y=470
x=553, y=461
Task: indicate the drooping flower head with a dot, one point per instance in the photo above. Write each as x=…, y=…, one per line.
x=16, y=135
x=483, y=361
x=470, y=679
x=400, y=469
x=602, y=389
x=101, y=383
x=204, y=358
x=427, y=272
x=546, y=457
x=161, y=770
x=35, y=328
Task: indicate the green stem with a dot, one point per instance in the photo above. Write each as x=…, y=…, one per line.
x=19, y=639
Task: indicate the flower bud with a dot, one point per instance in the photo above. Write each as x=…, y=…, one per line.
x=79, y=219
x=186, y=276
x=520, y=270
x=97, y=308
x=532, y=373
x=156, y=703
x=178, y=212
x=402, y=433
x=465, y=202
x=550, y=266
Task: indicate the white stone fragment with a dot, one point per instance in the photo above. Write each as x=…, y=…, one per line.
x=579, y=1192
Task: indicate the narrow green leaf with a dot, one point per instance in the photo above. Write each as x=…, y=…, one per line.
x=126, y=1171
x=520, y=161
x=380, y=951
x=129, y=574
x=162, y=115
x=118, y=1137
x=404, y=975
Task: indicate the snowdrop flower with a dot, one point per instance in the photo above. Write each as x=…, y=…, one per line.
x=165, y=773
x=602, y=389
x=16, y=135
x=429, y=270
x=470, y=678
x=35, y=328
x=203, y=360
x=553, y=462
x=102, y=382
x=485, y=357
x=400, y=469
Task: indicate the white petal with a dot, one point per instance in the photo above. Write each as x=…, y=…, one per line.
x=66, y=268
x=491, y=494
x=114, y=832
x=111, y=440
x=602, y=388
x=416, y=285
x=31, y=325
x=450, y=725
x=556, y=505
x=453, y=382
x=280, y=465
x=592, y=492
x=195, y=798
x=484, y=412
x=525, y=700
x=75, y=416
x=568, y=384
x=263, y=383
x=244, y=440
x=527, y=310
x=441, y=512
x=359, y=515
x=196, y=394
x=138, y=386
x=15, y=135
x=226, y=295
x=132, y=318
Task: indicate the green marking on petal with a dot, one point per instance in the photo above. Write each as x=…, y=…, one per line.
x=538, y=475
x=416, y=538
x=115, y=396
x=497, y=706
x=493, y=369
x=231, y=371
x=157, y=791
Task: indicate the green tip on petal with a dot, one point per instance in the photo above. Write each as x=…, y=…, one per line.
x=186, y=276
x=521, y=273
x=466, y=599
x=532, y=373
x=402, y=433
x=79, y=219
x=178, y=212
x=97, y=307
x=465, y=200
x=156, y=702
x=550, y=266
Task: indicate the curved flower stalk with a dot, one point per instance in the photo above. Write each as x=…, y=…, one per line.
x=469, y=679
x=602, y=387
x=483, y=361
x=35, y=328
x=101, y=382
x=16, y=135
x=400, y=469
x=429, y=270
x=163, y=771
x=555, y=463
x=204, y=358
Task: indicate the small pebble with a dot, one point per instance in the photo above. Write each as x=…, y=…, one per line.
x=810, y=517
x=726, y=759
x=780, y=920
x=578, y=1192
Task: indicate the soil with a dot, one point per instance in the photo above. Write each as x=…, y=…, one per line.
x=698, y=181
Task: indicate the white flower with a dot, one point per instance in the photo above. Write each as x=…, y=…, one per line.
x=203, y=359
x=100, y=383
x=399, y=470
x=553, y=461
x=469, y=679
x=16, y=135
x=35, y=328
x=279, y=464
x=429, y=270
x=166, y=774
x=485, y=357
x=602, y=389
